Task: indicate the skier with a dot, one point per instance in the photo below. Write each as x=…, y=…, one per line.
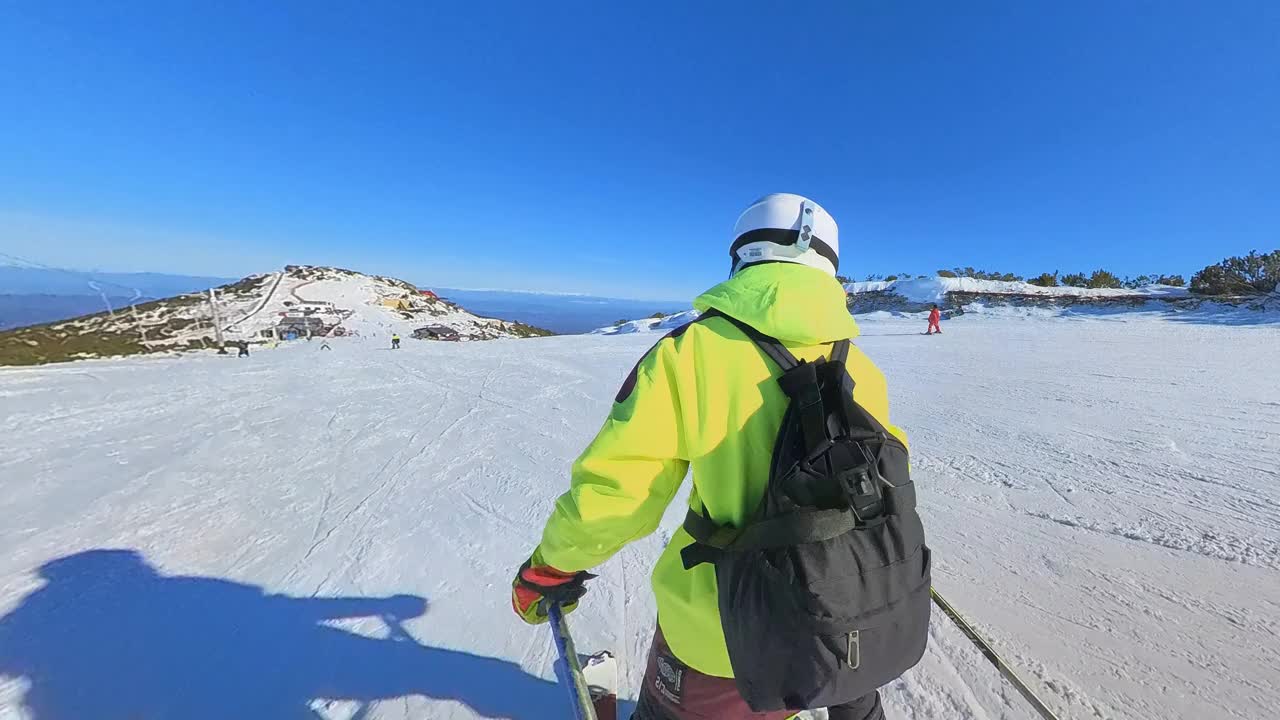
x=704, y=397
x=244, y=348
x=395, y=342
x=935, y=320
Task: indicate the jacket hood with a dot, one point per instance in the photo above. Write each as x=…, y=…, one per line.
x=793, y=303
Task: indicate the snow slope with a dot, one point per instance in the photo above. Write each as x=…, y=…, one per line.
x=1101, y=496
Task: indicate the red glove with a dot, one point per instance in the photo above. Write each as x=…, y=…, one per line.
x=537, y=584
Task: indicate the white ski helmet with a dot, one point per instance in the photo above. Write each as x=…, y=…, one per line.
x=782, y=227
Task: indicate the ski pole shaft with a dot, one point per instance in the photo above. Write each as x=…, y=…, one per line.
x=569, y=665
x=992, y=656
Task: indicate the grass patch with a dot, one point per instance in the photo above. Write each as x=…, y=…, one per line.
x=522, y=330
x=39, y=345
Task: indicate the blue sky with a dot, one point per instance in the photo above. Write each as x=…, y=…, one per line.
x=608, y=147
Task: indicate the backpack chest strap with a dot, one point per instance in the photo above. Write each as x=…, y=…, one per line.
x=711, y=541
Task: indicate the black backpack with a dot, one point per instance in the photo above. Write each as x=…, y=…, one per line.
x=824, y=594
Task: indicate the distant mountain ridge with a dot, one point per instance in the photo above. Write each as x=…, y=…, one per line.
x=33, y=309
x=16, y=280
x=563, y=313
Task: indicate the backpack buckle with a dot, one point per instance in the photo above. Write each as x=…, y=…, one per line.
x=862, y=488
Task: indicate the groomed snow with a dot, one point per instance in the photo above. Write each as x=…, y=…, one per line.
x=1101, y=497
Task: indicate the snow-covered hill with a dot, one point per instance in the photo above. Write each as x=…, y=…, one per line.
x=332, y=534
x=293, y=302
x=952, y=294
x=936, y=289
x=650, y=324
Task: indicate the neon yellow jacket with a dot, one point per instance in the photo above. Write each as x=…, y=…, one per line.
x=702, y=397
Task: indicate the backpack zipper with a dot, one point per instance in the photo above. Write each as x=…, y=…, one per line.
x=853, y=650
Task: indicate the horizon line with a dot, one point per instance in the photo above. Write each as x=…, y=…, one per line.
x=24, y=264
x=556, y=293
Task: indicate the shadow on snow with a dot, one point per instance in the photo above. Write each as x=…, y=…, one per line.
x=110, y=637
x=1207, y=312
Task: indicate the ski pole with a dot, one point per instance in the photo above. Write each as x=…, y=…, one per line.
x=569, y=666
x=991, y=655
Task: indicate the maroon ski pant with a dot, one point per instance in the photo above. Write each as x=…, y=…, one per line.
x=675, y=691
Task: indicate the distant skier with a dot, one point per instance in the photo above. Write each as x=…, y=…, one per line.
x=395, y=342
x=705, y=398
x=935, y=321
x=243, y=345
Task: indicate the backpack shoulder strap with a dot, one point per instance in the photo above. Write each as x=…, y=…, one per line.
x=768, y=345
x=840, y=352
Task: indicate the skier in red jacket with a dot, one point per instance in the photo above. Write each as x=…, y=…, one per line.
x=935, y=321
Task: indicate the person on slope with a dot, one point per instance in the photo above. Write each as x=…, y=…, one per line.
x=935, y=321
x=395, y=341
x=704, y=397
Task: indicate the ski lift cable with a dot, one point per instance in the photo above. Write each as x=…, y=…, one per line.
x=86, y=276
x=96, y=284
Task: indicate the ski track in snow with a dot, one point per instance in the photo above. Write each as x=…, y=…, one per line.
x=1102, y=497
